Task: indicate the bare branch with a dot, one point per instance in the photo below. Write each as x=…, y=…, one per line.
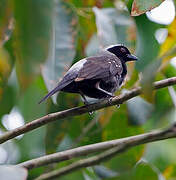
x=124, y=145
x=81, y=110
x=88, y=149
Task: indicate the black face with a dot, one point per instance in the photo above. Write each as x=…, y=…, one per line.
x=122, y=52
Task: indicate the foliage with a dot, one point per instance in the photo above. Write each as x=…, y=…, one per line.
x=40, y=40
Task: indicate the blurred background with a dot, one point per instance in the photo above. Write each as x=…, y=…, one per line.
x=40, y=40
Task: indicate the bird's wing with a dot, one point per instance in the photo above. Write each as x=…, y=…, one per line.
x=67, y=79
x=98, y=67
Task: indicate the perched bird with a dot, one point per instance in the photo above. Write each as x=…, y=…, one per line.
x=97, y=76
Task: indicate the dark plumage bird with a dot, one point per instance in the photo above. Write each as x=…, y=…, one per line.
x=97, y=76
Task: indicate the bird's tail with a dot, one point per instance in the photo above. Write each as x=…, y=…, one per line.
x=50, y=94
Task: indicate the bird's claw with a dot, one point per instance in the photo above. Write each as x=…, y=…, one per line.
x=110, y=100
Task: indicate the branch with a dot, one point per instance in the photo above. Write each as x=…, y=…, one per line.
x=124, y=145
x=81, y=110
x=107, y=155
x=88, y=149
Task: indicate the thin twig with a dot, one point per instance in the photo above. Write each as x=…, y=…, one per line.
x=123, y=146
x=81, y=110
x=88, y=149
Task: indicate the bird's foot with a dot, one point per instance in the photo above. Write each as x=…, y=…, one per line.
x=110, y=99
x=118, y=106
x=91, y=112
x=86, y=103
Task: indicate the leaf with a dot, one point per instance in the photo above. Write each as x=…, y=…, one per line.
x=8, y=99
x=78, y=175
x=89, y=174
x=145, y=171
x=105, y=28
x=32, y=35
x=93, y=46
x=147, y=45
x=113, y=26
x=118, y=127
x=9, y=172
x=104, y=172
x=142, y=170
x=156, y=154
x=5, y=67
x=59, y=132
x=138, y=110
x=62, y=46
x=170, y=42
x=141, y=6
x=30, y=110
x=170, y=172
x=6, y=20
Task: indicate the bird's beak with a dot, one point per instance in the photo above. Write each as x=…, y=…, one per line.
x=131, y=57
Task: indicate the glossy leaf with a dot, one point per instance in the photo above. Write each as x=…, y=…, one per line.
x=32, y=35
x=13, y=172
x=142, y=110
x=141, y=6
x=147, y=45
x=113, y=27
x=106, y=34
x=62, y=45
x=104, y=172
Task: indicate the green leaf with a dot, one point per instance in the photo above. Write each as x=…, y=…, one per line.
x=113, y=26
x=147, y=45
x=156, y=153
x=62, y=46
x=142, y=170
x=141, y=6
x=5, y=67
x=8, y=100
x=5, y=20
x=118, y=127
x=105, y=28
x=89, y=174
x=13, y=172
x=145, y=171
x=78, y=175
x=32, y=35
x=30, y=109
x=142, y=112
x=59, y=131
x=104, y=172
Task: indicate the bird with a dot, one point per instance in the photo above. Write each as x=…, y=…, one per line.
x=98, y=76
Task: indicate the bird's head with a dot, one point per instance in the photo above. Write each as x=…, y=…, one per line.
x=122, y=53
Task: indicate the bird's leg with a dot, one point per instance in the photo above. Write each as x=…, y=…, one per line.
x=110, y=95
x=84, y=98
x=102, y=90
x=85, y=101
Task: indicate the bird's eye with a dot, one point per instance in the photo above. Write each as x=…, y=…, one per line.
x=123, y=50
